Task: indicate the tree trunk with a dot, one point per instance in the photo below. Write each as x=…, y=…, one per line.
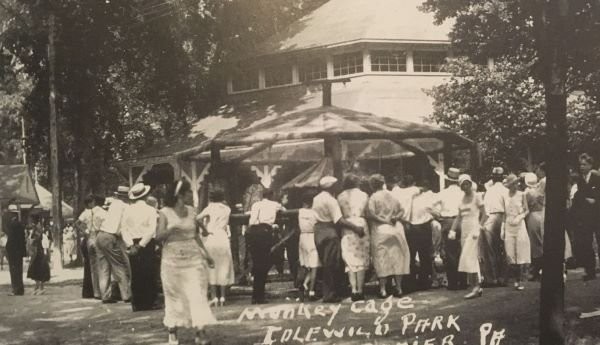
x=552, y=287
x=552, y=50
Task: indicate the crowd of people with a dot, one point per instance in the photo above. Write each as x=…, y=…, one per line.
x=404, y=234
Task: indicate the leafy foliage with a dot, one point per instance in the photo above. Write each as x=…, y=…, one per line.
x=503, y=110
x=129, y=73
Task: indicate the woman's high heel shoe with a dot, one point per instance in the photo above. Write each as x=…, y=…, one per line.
x=222, y=301
x=173, y=339
x=474, y=293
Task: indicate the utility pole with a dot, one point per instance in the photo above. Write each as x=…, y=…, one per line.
x=23, y=140
x=54, y=168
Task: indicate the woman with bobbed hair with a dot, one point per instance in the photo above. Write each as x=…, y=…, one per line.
x=389, y=248
x=184, y=271
x=214, y=222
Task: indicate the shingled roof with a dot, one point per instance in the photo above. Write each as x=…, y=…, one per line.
x=340, y=22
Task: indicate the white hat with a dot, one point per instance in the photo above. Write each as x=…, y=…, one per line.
x=138, y=191
x=327, y=181
x=531, y=180
x=464, y=178
x=453, y=174
x=122, y=191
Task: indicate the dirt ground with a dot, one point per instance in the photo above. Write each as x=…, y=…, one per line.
x=436, y=317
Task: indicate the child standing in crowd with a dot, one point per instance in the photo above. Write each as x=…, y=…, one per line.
x=516, y=238
x=39, y=268
x=309, y=257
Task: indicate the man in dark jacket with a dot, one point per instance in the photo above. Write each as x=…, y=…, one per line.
x=15, y=249
x=585, y=210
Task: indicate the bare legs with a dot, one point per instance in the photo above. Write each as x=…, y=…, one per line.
x=383, y=282
x=39, y=288
x=473, y=280
x=215, y=292
x=309, y=281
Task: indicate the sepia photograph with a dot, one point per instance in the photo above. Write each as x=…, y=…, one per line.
x=287, y=172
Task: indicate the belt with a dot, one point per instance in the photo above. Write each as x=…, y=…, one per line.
x=496, y=213
x=452, y=217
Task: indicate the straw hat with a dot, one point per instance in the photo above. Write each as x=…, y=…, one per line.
x=531, y=180
x=498, y=171
x=122, y=191
x=138, y=191
x=453, y=174
x=327, y=181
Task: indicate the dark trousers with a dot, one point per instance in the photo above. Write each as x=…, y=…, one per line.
x=143, y=277
x=87, y=289
x=260, y=240
x=451, y=255
x=291, y=248
x=15, y=265
x=584, y=247
x=420, y=242
x=330, y=252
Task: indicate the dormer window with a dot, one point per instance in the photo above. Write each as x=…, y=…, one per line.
x=345, y=64
x=245, y=79
x=313, y=70
x=429, y=61
x=276, y=75
x=388, y=61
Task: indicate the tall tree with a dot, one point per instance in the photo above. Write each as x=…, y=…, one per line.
x=561, y=35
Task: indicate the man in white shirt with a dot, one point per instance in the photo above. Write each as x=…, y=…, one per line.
x=89, y=223
x=494, y=264
x=112, y=258
x=405, y=194
x=447, y=203
x=138, y=230
x=260, y=240
x=327, y=239
x=420, y=239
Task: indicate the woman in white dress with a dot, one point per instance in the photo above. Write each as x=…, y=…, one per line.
x=391, y=255
x=516, y=238
x=471, y=218
x=214, y=222
x=308, y=254
x=184, y=271
x=355, y=248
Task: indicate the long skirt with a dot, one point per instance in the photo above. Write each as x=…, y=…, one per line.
x=470, y=237
x=309, y=257
x=39, y=267
x=536, y=236
x=391, y=254
x=355, y=249
x=219, y=249
x=184, y=278
x=516, y=242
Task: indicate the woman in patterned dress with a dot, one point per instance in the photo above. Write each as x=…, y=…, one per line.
x=391, y=255
x=184, y=271
x=355, y=249
x=516, y=239
x=470, y=219
x=214, y=222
